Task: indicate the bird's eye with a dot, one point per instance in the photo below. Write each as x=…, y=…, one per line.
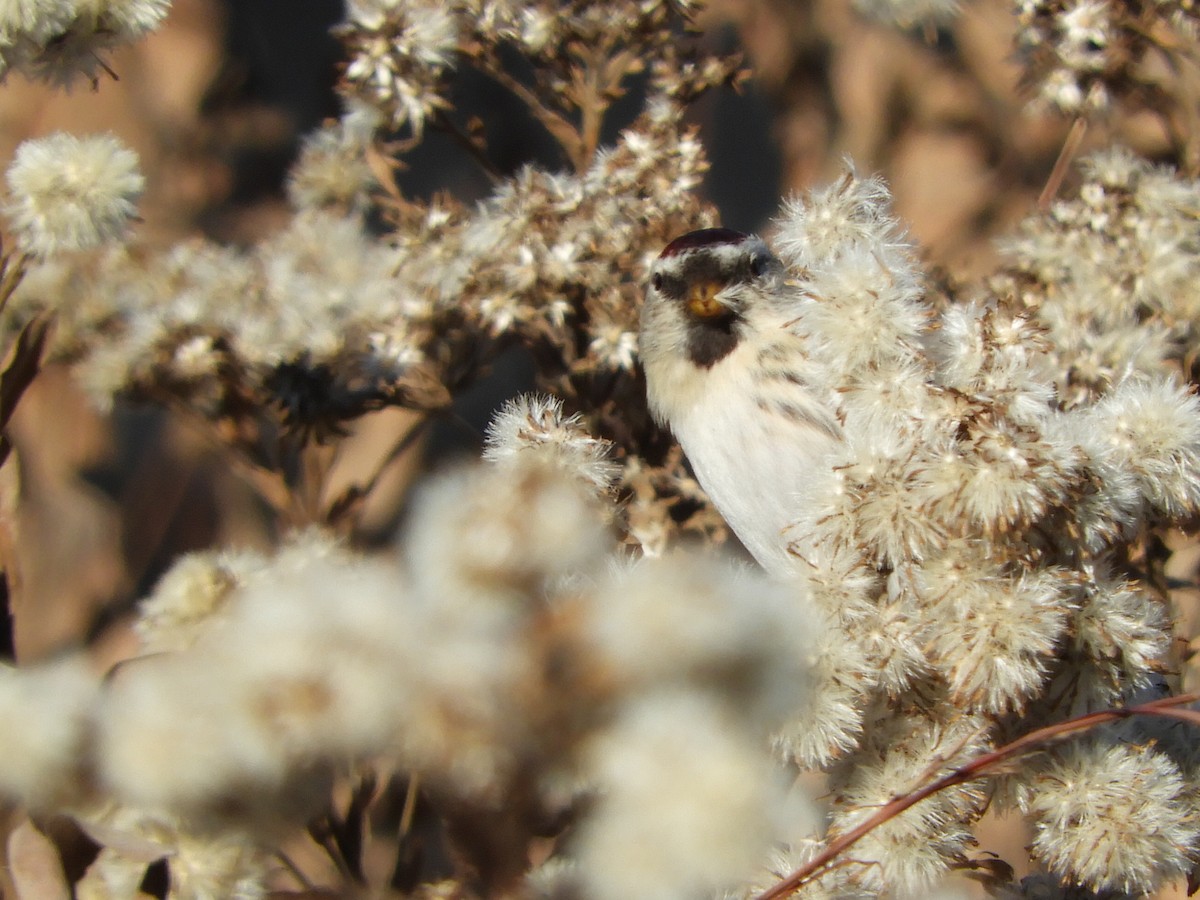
x=657, y=281
x=758, y=265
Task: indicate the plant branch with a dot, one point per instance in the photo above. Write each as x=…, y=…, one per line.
x=563, y=130
x=12, y=270
x=351, y=499
x=1065, y=156
x=472, y=144
x=980, y=766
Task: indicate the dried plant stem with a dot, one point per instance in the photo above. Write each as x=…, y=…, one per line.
x=321, y=831
x=1180, y=121
x=315, y=460
x=224, y=436
x=598, y=79
x=349, y=503
x=12, y=270
x=474, y=145
x=983, y=765
x=1175, y=101
x=559, y=126
x=1065, y=156
x=296, y=872
x=592, y=109
x=411, y=795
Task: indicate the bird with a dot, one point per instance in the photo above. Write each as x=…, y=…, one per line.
x=727, y=371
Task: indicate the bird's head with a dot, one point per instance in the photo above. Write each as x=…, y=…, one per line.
x=703, y=288
x=709, y=291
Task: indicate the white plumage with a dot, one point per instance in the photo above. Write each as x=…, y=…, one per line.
x=729, y=375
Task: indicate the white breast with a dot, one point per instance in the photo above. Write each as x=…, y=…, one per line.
x=762, y=446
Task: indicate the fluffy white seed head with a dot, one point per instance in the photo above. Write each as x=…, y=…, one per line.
x=909, y=13
x=306, y=669
x=1152, y=430
x=1112, y=817
x=48, y=709
x=332, y=169
x=69, y=193
x=1122, y=631
x=32, y=20
x=494, y=538
x=705, y=624
x=998, y=657
x=60, y=41
x=868, y=310
x=189, y=597
x=913, y=851
x=686, y=804
x=852, y=212
x=534, y=425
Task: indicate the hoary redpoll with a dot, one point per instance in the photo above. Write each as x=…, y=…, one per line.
x=728, y=373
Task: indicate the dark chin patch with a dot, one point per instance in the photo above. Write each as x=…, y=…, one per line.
x=710, y=341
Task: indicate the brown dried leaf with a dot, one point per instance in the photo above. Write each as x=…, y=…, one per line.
x=35, y=866
x=24, y=362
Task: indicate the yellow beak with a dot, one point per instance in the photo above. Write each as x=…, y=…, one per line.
x=702, y=300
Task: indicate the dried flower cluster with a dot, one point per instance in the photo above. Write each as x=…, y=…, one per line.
x=966, y=545
x=333, y=322
x=1082, y=57
x=504, y=659
x=1109, y=275
x=60, y=40
x=535, y=691
x=402, y=52
x=1084, y=54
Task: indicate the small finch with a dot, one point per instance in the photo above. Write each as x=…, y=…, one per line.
x=728, y=374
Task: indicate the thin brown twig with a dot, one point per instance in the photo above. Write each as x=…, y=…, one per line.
x=296, y=872
x=473, y=146
x=563, y=130
x=315, y=461
x=268, y=483
x=321, y=831
x=411, y=794
x=356, y=494
x=12, y=271
x=1065, y=156
x=591, y=102
x=979, y=767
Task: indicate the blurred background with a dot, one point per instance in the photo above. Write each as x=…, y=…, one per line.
x=216, y=102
